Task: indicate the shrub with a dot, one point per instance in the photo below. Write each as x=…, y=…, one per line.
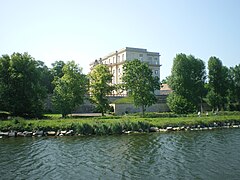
x=179, y=104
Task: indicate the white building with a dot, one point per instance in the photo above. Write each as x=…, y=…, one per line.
x=115, y=61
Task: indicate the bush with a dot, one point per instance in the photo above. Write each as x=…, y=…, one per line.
x=180, y=105
x=4, y=115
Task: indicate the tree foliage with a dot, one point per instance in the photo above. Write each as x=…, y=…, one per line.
x=22, y=90
x=70, y=89
x=46, y=76
x=179, y=104
x=57, y=69
x=187, y=81
x=234, y=87
x=139, y=82
x=218, y=83
x=100, y=86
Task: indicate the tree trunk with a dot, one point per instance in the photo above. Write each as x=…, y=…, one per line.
x=102, y=111
x=63, y=115
x=143, y=110
x=201, y=106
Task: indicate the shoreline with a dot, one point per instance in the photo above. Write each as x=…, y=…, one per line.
x=103, y=127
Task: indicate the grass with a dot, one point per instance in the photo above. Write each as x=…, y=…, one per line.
x=115, y=124
x=125, y=100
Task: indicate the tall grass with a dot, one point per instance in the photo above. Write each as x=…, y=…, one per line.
x=115, y=124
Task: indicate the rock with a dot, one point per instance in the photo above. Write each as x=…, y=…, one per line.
x=4, y=133
x=39, y=133
x=153, y=129
x=176, y=129
x=235, y=126
x=169, y=128
x=12, y=134
x=70, y=132
x=63, y=132
x=51, y=133
x=140, y=130
x=58, y=132
x=28, y=134
x=182, y=128
x=20, y=134
x=1, y=137
x=162, y=130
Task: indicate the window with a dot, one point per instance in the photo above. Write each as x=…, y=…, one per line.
x=150, y=58
x=156, y=72
x=123, y=57
x=118, y=59
x=113, y=80
x=119, y=70
x=113, y=59
x=140, y=57
x=109, y=60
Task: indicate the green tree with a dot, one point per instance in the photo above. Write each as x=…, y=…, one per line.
x=140, y=83
x=21, y=90
x=219, y=82
x=57, y=69
x=46, y=76
x=234, y=95
x=70, y=89
x=100, y=86
x=187, y=81
x=179, y=104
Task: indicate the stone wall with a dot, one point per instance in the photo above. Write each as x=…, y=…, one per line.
x=120, y=109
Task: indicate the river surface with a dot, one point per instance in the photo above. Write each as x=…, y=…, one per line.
x=179, y=155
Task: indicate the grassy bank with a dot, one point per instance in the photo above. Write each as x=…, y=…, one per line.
x=117, y=124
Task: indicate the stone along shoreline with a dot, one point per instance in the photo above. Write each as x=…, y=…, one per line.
x=71, y=132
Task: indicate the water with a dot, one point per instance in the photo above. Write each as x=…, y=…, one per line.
x=181, y=155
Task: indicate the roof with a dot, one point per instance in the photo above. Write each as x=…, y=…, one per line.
x=165, y=89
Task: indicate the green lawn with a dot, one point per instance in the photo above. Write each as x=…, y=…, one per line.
x=114, y=124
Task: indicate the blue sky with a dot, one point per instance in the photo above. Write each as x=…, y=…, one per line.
x=84, y=30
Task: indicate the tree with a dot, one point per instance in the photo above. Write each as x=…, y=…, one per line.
x=46, y=76
x=165, y=81
x=140, y=83
x=70, y=89
x=234, y=94
x=218, y=83
x=187, y=81
x=57, y=68
x=21, y=90
x=179, y=104
x=100, y=86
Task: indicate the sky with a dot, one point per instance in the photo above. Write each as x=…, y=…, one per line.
x=85, y=30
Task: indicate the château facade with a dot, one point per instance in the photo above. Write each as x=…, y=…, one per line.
x=115, y=61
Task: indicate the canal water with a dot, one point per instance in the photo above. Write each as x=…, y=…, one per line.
x=179, y=155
